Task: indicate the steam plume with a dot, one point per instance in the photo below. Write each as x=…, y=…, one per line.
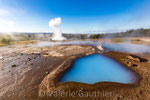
x=55, y=25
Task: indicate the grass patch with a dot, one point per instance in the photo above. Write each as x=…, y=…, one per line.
x=18, y=43
x=136, y=39
x=116, y=40
x=2, y=44
x=11, y=39
x=23, y=42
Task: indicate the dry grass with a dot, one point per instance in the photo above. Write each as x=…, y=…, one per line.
x=18, y=43
x=10, y=39
x=116, y=40
x=136, y=39
x=23, y=42
x=2, y=44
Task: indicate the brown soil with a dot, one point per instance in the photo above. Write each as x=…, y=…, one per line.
x=36, y=71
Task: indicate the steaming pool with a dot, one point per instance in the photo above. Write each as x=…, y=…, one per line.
x=121, y=47
x=97, y=68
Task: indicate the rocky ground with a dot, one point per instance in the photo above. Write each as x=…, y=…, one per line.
x=22, y=68
x=25, y=71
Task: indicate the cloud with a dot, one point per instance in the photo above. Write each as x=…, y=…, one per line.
x=7, y=23
x=4, y=12
x=10, y=16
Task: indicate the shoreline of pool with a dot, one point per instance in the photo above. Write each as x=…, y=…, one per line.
x=56, y=74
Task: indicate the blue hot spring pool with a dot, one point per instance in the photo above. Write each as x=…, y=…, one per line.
x=97, y=68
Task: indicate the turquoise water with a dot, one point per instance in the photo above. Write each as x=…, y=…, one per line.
x=97, y=68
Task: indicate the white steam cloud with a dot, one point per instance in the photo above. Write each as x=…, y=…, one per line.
x=55, y=25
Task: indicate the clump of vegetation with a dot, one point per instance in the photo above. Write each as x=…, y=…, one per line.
x=83, y=36
x=130, y=33
x=95, y=36
x=24, y=42
x=116, y=40
x=137, y=39
x=6, y=41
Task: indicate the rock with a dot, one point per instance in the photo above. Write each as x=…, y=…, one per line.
x=29, y=59
x=47, y=73
x=129, y=57
x=34, y=57
x=134, y=65
x=141, y=59
x=128, y=63
x=117, y=98
x=1, y=57
x=38, y=54
x=100, y=48
x=45, y=53
x=25, y=63
x=21, y=54
x=14, y=65
x=141, y=92
x=135, y=59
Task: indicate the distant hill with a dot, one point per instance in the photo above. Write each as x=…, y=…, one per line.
x=130, y=33
x=47, y=36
